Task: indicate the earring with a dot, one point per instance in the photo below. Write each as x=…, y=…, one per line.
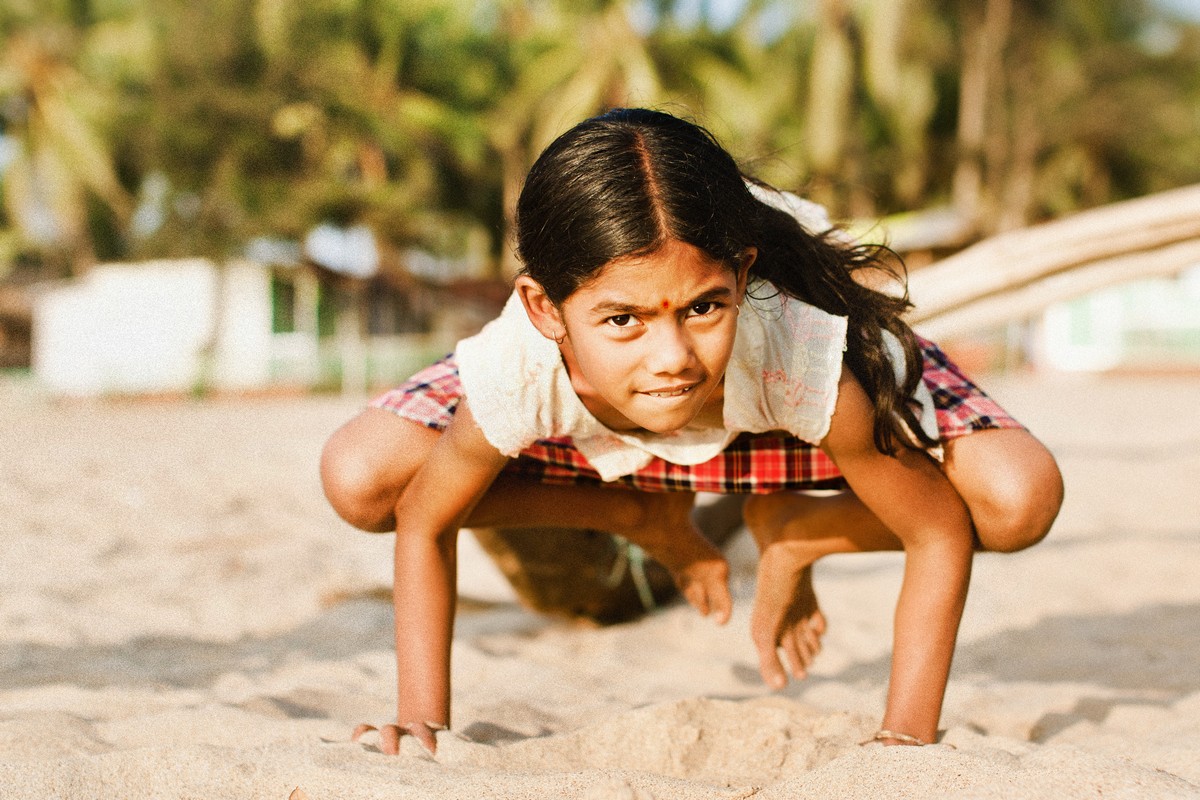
x=561, y=337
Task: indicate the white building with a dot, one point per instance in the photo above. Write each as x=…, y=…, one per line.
x=186, y=326
x=1150, y=324
x=153, y=327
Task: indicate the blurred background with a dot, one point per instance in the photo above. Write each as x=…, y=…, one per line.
x=267, y=196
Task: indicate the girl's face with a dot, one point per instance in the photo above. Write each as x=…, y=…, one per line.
x=648, y=338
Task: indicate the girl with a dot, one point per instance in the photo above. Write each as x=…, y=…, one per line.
x=679, y=328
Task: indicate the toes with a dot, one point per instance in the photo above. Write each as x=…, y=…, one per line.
x=793, y=651
x=769, y=666
x=771, y=669
x=697, y=596
x=722, y=605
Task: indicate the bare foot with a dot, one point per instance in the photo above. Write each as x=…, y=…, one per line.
x=668, y=535
x=786, y=616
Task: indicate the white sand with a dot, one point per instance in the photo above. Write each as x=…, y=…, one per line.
x=181, y=616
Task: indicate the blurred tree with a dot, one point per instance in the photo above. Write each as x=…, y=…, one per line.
x=901, y=48
x=744, y=79
x=570, y=60
x=164, y=127
x=385, y=103
x=829, y=107
x=61, y=188
x=262, y=117
x=1070, y=105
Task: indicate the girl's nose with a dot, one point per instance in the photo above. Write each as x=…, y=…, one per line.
x=671, y=352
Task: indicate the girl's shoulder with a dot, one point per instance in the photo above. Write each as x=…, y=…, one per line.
x=781, y=315
x=508, y=370
x=787, y=326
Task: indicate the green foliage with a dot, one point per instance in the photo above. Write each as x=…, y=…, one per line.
x=170, y=127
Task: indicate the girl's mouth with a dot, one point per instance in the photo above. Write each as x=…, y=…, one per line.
x=670, y=392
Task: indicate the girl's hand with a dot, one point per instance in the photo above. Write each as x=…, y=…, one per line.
x=391, y=734
x=916, y=503
x=429, y=514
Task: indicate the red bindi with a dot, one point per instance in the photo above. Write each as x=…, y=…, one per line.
x=665, y=304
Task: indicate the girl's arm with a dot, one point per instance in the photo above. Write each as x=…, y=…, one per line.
x=460, y=469
x=912, y=497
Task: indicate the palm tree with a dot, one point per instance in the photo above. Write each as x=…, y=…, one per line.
x=571, y=60
x=64, y=174
x=1106, y=110
x=238, y=117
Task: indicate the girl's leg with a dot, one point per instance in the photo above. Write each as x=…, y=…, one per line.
x=792, y=531
x=1009, y=481
x=367, y=463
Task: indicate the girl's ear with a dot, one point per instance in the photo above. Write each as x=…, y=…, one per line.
x=541, y=310
x=743, y=271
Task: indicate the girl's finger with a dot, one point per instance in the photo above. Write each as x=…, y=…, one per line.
x=806, y=640
x=389, y=739
x=391, y=734
x=812, y=639
x=423, y=734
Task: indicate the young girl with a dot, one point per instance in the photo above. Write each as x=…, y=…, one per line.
x=676, y=328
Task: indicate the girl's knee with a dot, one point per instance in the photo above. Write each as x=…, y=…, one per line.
x=1019, y=505
x=350, y=487
x=1011, y=484
x=367, y=463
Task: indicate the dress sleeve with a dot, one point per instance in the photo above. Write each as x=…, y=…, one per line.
x=813, y=217
x=927, y=414
x=505, y=372
x=784, y=373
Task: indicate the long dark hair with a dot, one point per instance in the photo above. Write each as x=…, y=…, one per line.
x=625, y=182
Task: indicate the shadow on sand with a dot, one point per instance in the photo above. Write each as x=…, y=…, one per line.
x=341, y=632
x=1153, y=649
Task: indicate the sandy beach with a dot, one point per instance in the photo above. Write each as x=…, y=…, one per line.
x=182, y=616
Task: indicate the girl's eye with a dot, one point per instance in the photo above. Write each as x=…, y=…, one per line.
x=700, y=309
x=620, y=320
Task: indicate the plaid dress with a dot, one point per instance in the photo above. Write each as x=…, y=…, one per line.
x=754, y=463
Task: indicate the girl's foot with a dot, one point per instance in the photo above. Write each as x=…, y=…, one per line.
x=667, y=534
x=786, y=616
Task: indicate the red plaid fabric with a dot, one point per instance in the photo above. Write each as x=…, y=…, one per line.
x=962, y=407
x=753, y=463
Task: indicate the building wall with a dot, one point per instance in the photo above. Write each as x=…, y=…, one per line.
x=149, y=327
x=1147, y=324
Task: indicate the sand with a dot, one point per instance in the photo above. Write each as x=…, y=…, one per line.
x=182, y=616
